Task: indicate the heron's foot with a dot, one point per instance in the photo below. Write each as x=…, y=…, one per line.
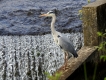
x=65, y=67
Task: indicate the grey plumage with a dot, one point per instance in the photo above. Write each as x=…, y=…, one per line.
x=65, y=44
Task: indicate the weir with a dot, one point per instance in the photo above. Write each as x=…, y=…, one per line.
x=29, y=57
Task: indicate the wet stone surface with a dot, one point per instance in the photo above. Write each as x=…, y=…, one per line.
x=21, y=17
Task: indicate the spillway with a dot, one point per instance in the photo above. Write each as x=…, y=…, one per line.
x=29, y=57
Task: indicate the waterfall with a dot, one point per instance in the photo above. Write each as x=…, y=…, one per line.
x=28, y=57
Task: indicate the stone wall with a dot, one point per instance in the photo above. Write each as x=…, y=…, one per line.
x=94, y=20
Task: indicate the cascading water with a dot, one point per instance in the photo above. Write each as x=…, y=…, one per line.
x=29, y=57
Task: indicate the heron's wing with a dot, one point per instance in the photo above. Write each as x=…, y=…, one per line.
x=66, y=45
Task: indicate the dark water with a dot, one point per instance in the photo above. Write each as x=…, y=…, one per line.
x=21, y=17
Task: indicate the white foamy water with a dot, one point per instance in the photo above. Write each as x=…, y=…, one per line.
x=29, y=57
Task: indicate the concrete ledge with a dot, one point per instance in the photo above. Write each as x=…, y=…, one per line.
x=74, y=63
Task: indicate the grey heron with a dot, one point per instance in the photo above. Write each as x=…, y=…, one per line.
x=61, y=40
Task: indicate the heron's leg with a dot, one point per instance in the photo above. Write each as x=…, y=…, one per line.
x=65, y=60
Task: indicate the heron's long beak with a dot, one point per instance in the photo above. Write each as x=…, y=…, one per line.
x=43, y=15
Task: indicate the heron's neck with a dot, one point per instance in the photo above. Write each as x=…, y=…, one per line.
x=53, y=23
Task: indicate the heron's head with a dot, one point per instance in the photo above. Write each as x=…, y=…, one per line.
x=48, y=14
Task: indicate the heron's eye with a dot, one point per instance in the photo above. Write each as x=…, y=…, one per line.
x=51, y=12
x=58, y=36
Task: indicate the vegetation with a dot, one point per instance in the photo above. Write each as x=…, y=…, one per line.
x=105, y=78
x=102, y=46
x=56, y=76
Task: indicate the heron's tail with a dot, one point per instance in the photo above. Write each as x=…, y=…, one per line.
x=74, y=54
